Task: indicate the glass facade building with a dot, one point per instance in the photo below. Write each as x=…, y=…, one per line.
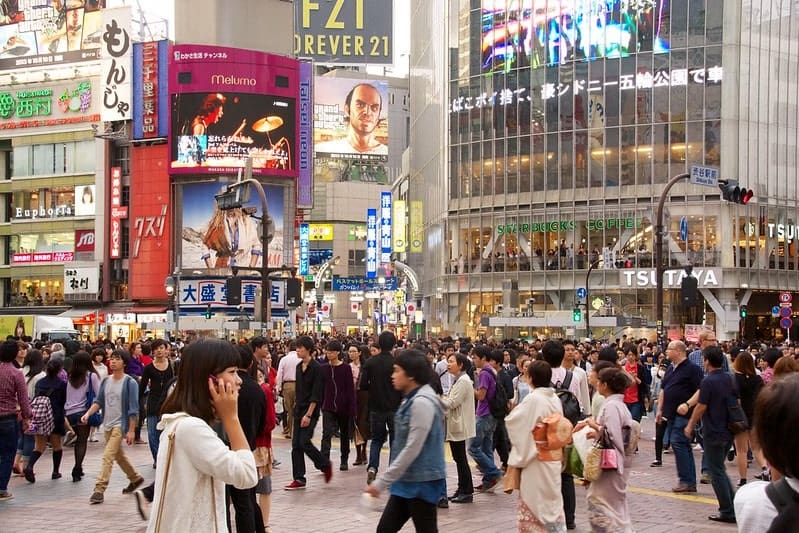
x=564, y=121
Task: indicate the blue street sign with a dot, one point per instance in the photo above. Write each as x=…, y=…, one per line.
x=684, y=229
x=786, y=312
x=707, y=176
x=775, y=310
x=582, y=292
x=786, y=323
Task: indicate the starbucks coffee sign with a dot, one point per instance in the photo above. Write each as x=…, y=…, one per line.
x=569, y=225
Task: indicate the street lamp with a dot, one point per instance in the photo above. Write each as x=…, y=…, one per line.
x=172, y=286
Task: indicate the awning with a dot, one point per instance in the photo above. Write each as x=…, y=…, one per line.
x=79, y=313
x=148, y=309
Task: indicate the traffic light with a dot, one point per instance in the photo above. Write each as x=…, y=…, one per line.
x=208, y=311
x=688, y=291
x=731, y=192
x=577, y=314
x=743, y=311
x=233, y=291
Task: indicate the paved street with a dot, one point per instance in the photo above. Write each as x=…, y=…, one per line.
x=62, y=505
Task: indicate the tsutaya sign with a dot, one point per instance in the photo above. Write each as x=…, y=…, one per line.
x=706, y=278
x=569, y=225
x=783, y=231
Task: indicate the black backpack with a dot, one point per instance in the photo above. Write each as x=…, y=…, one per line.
x=786, y=501
x=569, y=402
x=498, y=405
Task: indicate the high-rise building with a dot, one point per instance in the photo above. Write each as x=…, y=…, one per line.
x=543, y=134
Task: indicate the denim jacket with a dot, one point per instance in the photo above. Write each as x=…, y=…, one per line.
x=130, y=399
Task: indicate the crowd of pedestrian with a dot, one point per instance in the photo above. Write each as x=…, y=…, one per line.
x=210, y=409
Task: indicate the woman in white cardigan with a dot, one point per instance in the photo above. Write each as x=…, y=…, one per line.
x=461, y=424
x=193, y=463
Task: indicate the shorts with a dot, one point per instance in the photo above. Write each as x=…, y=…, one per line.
x=263, y=461
x=74, y=419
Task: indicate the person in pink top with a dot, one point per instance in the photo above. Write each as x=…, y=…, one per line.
x=14, y=405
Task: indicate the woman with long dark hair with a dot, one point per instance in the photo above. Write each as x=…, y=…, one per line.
x=81, y=377
x=191, y=454
x=749, y=384
x=54, y=388
x=358, y=356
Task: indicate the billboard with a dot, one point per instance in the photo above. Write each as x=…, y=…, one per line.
x=344, y=32
x=55, y=105
x=116, y=69
x=150, y=96
x=49, y=32
x=371, y=243
x=304, y=249
x=85, y=200
x=305, y=138
x=535, y=33
x=217, y=132
x=229, y=104
x=217, y=240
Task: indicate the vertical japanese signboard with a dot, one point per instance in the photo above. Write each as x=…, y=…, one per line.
x=150, y=95
x=385, y=227
x=399, y=229
x=305, y=138
x=417, y=226
x=118, y=212
x=305, y=233
x=371, y=243
x=116, y=71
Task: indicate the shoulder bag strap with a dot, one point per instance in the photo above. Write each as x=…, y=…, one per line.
x=780, y=494
x=161, y=502
x=567, y=381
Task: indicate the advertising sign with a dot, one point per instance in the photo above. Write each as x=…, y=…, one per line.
x=385, y=227
x=202, y=292
x=360, y=283
x=516, y=34
x=229, y=104
x=350, y=126
x=84, y=241
x=344, y=32
x=42, y=257
x=49, y=105
x=321, y=232
x=81, y=280
x=399, y=229
x=305, y=138
x=417, y=226
x=49, y=32
x=214, y=239
x=85, y=201
x=116, y=70
x=150, y=95
x=118, y=212
x=371, y=243
x=305, y=233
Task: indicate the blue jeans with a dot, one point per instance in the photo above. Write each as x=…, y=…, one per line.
x=381, y=425
x=153, y=435
x=8, y=446
x=481, y=448
x=636, y=410
x=715, y=453
x=681, y=446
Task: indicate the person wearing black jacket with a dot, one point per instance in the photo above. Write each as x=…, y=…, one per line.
x=383, y=399
x=310, y=387
x=252, y=415
x=155, y=379
x=501, y=441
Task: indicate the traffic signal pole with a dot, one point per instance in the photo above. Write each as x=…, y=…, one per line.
x=659, y=268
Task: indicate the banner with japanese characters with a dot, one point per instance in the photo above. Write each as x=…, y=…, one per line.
x=116, y=71
x=55, y=106
x=202, y=292
x=81, y=280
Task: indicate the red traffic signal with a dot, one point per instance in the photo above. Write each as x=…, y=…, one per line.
x=731, y=192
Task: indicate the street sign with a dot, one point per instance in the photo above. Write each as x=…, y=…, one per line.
x=786, y=297
x=775, y=311
x=786, y=323
x=684, y=229
x=786, y=312
x=707, y=176
x=582, y=292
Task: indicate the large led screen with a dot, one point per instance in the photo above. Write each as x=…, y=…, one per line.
x=215, y=132
x=520, y=33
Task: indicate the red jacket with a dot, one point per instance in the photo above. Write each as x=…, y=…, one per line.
x=264, y=440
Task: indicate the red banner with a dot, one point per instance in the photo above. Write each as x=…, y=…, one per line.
x=43, y=257
x=117, y=214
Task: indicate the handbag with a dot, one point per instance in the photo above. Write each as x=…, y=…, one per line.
x=170, y=451
x=601, y=456
x=96, y=419
x=512, y=480
x=736, y=418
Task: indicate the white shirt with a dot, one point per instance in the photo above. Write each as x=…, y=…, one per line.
x=444, y=376
x=287, y=369
x=754, y=510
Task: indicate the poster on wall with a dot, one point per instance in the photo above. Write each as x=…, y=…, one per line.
x=217, y=240
x=85, y=203
x=350, y=130
x=217, y=132
x=539, y=33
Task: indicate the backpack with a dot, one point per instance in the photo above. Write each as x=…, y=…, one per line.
x=42, y=420
x=570, y=403
x=498, y=405
x=786, y=501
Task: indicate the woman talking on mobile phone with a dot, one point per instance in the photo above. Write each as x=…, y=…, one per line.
x=193, y=463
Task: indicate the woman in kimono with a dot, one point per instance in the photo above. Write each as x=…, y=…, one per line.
x=607, y=497
x=540, y=502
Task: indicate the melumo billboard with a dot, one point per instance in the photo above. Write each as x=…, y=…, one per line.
x=344, y=32
x=49, y=32
x=228, y=105
x=350, y=129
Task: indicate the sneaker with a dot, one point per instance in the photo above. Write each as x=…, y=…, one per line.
x=295, y=485
x=328, y=472
x=93, y=439
x=684, y=488
x=142, y=505
x=656, y=463
x=764, y=475
x=487, y=486
x=705, y=480
x=344, y=467
x=443, y=503
x=97, y=497
x=133, y=485
x=56, y=475
x=5, y=496
x=698, y=447
x=741, y=482
x=371, y=474
x=731, y=455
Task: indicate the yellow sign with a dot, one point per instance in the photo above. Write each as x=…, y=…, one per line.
x=321, y=232
x=417, y=226
x=399, y=231
x=16, y=325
